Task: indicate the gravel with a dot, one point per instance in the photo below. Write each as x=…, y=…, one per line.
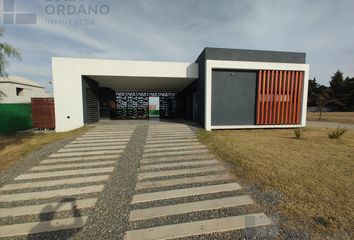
x=110, y=218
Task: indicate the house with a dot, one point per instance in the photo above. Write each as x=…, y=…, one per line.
x=16, y=89
x=222, y=89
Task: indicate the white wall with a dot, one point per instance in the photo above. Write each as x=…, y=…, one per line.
x=67, y=83
x=244, y=65
x=28, y=92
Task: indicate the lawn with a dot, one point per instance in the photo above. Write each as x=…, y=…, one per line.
x=13, y=147
x=340, y=117
x=314, y=175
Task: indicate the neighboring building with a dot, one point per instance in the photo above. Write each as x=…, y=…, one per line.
x=20, y=90
x=222, y=89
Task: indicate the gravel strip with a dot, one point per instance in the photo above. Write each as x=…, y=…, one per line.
x=110, y=218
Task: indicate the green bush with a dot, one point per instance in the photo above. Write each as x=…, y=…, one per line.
x=299, y=133
x=336, y=134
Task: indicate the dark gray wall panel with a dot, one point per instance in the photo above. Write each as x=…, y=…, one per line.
x=233, y=97
x=201, y=89
x=254, y=55
x=92, y=86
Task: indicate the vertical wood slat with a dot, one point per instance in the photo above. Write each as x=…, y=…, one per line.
x=283, y=98
x=292, y=98
x=259, y=100
x=275, y=98
x=271, y=98
x=279, y=95
x=301, y=79
x=287, y=97
x=263, y=94
x=267, y=99
x=296, y=87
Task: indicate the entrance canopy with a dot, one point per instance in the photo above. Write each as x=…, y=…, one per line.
x=142, y=84
x=133, y=76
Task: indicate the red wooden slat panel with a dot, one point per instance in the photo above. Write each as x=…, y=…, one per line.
x=259, y=97
x=296, y=87
x=43, y=115
x=279, y=97
x=301, y=77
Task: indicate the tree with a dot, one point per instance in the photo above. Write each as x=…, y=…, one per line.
x=325, y=98
x=313, y=90
x=6, y=51
x=348, y=92
x=336, y=84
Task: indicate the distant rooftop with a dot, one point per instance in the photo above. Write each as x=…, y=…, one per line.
x=20, y=80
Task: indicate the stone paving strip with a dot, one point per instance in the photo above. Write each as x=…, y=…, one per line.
x=179, y=164
x=51, y=183
x=90, y=148
x=189, y=207
x=65, y=173
x=190, y=140
x=72, y=165
x=76, y=159
x=169, y=173
x=109, y=133
x=158, y=160
x=77, y=145
x=44, y=226
x=199, y=227
x=95, y=138
x=73, y=154
x=47, y=208
x=50, y=194
x=160, y=149
x=185, y=192
x=100, y=141
x=182, y=181
x=173, y=137
x=175, y=153
x=173, y=144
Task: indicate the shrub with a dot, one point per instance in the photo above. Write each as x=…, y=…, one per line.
x=299, y=132
x=336, y=134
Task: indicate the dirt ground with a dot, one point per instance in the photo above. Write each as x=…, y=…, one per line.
x=314, y=175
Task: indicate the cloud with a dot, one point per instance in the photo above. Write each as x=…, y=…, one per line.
x=178, y=30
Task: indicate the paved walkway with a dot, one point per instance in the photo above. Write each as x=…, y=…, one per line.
x=86, y=189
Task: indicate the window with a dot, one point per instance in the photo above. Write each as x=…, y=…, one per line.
x=19, y=92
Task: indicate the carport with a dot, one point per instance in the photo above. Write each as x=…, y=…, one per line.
x=84, y=87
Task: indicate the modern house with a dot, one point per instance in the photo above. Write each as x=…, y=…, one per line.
x=16, y=89
x=222, y=89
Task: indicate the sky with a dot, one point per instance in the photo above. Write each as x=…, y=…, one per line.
x=178, y=30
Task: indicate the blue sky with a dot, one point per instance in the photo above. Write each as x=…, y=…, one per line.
x=178, y=30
